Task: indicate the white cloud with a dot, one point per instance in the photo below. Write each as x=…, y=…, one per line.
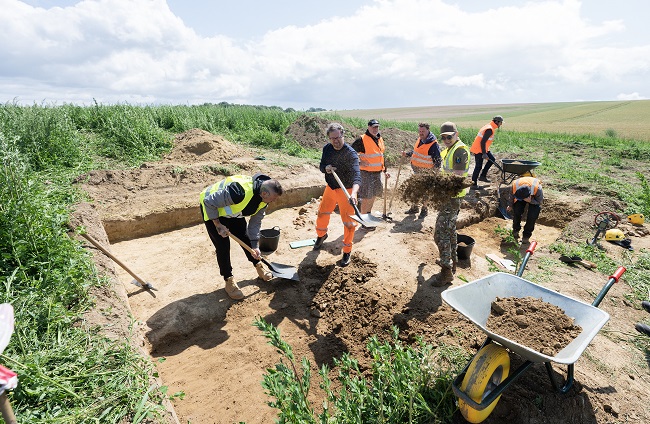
x=631, y=96
x=388, y=53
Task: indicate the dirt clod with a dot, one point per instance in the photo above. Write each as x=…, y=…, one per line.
x=433, y=188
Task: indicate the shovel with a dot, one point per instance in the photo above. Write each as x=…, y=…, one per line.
x=386, y=216
x=399, y=169
x=577, y=259
x=367, y=220
x=278, y=270
x=137, y=280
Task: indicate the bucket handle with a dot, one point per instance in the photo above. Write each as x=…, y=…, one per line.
x=276, y=228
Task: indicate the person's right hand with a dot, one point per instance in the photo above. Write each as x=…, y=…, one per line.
x=508, y=208
x=330, y=168
x=222, y=230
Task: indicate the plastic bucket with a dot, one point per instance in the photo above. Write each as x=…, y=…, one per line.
x=465, y=246
x=269, y=239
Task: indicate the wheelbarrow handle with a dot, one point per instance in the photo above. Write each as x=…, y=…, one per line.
x=612, y=279
x=529, y=252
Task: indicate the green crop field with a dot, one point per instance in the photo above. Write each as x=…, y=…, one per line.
x=620, y=119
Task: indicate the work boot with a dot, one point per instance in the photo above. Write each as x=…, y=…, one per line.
x=319, y=242
x=413, y=210
x=642, y=328
x=444, y=277
x=484, y=179
x=233, y=290
x=423, y=213
x=474, y=185
x=345, y=260
x=261, y=273
x=646, y=305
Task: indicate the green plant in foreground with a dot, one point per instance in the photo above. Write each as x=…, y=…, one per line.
x=409, y=384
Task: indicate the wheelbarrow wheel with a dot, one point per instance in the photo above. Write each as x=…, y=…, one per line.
x=490, y=366
x=610, y=219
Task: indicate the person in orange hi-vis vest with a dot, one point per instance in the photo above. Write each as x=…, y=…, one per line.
x=370, y=148
x=525, y=191
x=481, y=150
x=425, y=156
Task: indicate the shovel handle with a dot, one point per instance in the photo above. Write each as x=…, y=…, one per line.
x=399, y=169
x=250, y=249
x=338, y=181
x=114, y=259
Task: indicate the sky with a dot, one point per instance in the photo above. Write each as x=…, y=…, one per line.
x=334, y=54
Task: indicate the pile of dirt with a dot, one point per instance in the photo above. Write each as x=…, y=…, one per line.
x=433, y=188
x=533, y=323
x=197, y=145
x=309, y=132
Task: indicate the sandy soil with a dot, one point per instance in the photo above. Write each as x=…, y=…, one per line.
x=204, y=344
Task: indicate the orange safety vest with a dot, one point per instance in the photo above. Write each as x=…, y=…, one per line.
x=476, y=145
x=421, y=157
x=374, y=155
x=531, y=182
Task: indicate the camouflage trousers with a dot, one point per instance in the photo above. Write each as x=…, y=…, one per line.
x=445, y=233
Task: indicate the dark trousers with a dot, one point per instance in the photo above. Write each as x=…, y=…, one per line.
x=237, y=226
x=531, y=217
x=478, y=164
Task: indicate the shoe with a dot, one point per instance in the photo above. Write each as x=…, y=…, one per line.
x=525, y=240
x=423, y=213
x=515, y=236
x=646, y=305
x=364, y=228
x=345, y=260
x=233, y=290
x=319, y=242
x=444, y=277
x=413, y=210
x=261, y=273
x=484, y=179
x=642, y=328
x=474, y=185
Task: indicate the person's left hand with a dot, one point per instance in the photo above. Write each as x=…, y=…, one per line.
x=257, y=254
x=485, y=156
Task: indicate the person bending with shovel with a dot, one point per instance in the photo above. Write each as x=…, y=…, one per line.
x=224, y=206
x=342, y=159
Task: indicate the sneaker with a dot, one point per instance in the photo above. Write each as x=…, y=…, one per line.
x=413, y=210
x=484, y=179
x=345, y=260
x=319, y=242
x=515, y=236
x=364, y=228
x=474, y=185
x=642, y=328
x=525, y=240
x=646, y=305
x=423, y=213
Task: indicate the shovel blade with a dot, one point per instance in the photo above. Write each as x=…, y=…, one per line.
x=282, y=271
x=504, y=213
x=367, y=220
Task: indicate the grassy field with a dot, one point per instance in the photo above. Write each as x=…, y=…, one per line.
x=620, y=119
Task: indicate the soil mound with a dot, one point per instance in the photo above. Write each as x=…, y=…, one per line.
x=309, y=132
x=197, y=145
x=531, y=322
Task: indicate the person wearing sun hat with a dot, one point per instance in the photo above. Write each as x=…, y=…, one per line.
x=525, y=191
x=455, y=160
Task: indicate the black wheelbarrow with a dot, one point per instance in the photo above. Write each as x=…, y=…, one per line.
x=481, y=383
x=510, y=169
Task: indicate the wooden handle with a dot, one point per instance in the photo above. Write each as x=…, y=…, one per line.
x=5, y=408
x=401, y=162
x=242, y=244
x=117, y=261
x=338, y=180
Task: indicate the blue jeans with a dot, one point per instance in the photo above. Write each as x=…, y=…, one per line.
x=478, y=160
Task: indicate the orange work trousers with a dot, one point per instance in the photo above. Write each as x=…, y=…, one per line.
x=331, y=198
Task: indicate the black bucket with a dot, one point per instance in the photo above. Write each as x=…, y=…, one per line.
x=465, y=246
x=269, y=239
